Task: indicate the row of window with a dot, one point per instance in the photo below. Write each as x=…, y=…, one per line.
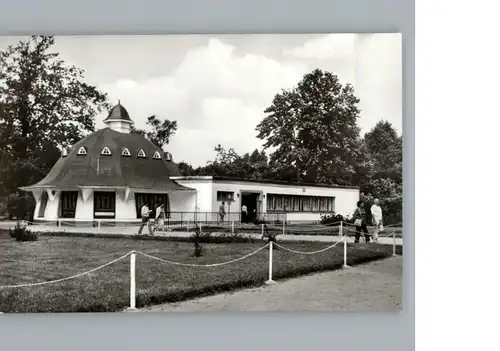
x=125, y=152
x=300, y=203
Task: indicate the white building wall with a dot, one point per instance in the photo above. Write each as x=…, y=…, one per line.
x=345, y=198
x=125, y=210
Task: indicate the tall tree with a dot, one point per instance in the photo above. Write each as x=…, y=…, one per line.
x=313, y=128
x=384, y=147
x=45, y=104
x=159, y=132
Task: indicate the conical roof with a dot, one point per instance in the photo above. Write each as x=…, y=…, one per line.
x=118, y=113
x=108, y=158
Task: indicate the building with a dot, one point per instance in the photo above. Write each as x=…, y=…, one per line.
x=299, y=202
x=108, y=175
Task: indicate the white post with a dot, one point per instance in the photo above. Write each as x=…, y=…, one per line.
x=200, y=228
x=262, y=229
x=98, y=226
x=345, y=252
x=132, y=281
x=232, y=227
x=270, y=280
x=394, y=243
x=341, y=232
x=284, y=221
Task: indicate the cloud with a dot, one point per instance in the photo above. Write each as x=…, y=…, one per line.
x=339, y=46
x=215, y=95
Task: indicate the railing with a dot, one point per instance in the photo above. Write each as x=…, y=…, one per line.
x=178, y=218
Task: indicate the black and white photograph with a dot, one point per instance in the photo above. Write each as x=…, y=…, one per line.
x=201, y=173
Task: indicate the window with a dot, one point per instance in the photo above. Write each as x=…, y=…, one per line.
x=141, y=153
x=64, y=152
x=299, y=203
x=82, y=151
x=106, y=151
x=225, y=195
x=68, y=204
x=168, y=156
x=153, y=201
x=126, y=152
x=157, y=155
x=104, y=204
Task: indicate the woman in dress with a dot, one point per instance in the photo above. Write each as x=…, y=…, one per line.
x=160, y=217
x=360, y=223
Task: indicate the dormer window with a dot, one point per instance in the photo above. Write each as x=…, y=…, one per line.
x=168, y=156
x=64, y=152
x=126, y=152
x=157, y=155
x=106, y=151
x=141, y=154
x=82, y=151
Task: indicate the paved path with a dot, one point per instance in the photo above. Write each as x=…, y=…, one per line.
x=373, y=287
x=132, y=230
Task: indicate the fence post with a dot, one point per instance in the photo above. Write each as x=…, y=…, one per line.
x=58, y=223
x=262, y=229
x=132, y=281
x=284, y=223
x=98, y=226
x=394, y=243
x=341, y=231
x=270, y=280
x=232, y=227
x=345, y=252
x=200, y=227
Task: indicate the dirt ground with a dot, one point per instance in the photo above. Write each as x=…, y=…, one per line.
x=373, y=287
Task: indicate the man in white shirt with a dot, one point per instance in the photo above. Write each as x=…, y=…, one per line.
x=377, y=219
x=244, y=213
x=145, y=211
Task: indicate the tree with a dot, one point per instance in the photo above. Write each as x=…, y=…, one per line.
x=385, y=148
x=45, y=105
x=383, y=161
x=159, y=132
x=313, y=128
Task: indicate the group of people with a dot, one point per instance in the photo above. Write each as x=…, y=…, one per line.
x=159, y=221
x=368, y=213
x=245, y=216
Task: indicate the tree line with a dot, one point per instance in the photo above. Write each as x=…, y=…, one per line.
x=310, y=133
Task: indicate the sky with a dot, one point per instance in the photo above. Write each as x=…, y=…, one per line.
x=217, y=87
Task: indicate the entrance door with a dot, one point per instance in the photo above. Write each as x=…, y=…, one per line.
x=250, y=200
x=68, y=203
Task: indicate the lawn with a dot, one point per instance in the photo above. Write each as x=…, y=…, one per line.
x=53, y=257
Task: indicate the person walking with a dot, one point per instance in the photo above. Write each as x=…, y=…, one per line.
x=160, y=217
x=145, y=212
x=222, y=212
x=376, y=212
x=360, y=223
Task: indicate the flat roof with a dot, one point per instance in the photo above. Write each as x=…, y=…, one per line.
x=264, y=181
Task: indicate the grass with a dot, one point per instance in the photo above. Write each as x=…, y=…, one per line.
x=106, y=290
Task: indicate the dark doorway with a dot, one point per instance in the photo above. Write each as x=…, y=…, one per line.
x=104, y=204
x=250, y=200
x=68, y=203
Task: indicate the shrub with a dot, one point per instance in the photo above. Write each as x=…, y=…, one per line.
x=328, y=218
x=22, y=233
x=198, y=248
